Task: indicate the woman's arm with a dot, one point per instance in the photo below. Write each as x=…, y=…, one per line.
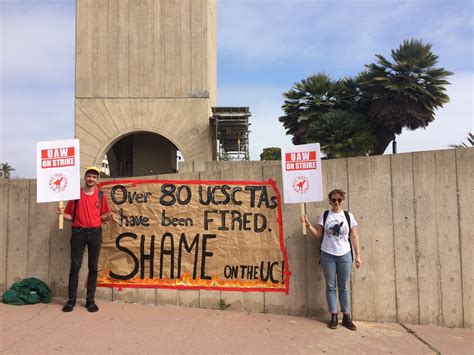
x=316, y=231
x=356, y=245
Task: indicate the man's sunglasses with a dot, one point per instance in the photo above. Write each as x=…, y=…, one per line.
x=333, y=200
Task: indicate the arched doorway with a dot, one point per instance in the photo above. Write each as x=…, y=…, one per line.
x=141, y=154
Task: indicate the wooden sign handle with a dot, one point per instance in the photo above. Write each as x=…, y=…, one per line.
x=303, y=224
x=61, y=216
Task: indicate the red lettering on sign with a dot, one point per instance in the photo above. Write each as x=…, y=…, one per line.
x=300, y=161
x=57, y=157
x=65, y=152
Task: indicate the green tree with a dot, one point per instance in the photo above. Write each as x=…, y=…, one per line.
x=403, y=93
x=306, y=102
x=470, y=142
x=314, y=96
x=272, y=153
x=342, y=134
x=6, y=170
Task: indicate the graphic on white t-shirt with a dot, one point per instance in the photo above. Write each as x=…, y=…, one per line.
x=336, y=230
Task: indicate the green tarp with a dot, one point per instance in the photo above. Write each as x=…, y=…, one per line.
x=27, y=291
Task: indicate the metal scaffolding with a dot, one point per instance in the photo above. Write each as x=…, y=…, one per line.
x=231, y=132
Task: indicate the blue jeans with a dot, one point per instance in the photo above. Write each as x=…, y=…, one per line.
x=340, y=268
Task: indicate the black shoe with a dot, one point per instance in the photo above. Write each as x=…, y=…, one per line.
x=333, y=322
x=91, y=306
x=69, y=306
x=347, y=322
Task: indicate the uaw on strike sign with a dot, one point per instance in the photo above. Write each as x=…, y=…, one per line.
x=301, y=169
x=57, y=170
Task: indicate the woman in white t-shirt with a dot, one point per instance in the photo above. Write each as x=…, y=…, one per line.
x=336, y=255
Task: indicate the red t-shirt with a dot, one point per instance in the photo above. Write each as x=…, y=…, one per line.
x=88, y=210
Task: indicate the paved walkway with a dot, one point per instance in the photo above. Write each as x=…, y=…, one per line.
x=121, y=328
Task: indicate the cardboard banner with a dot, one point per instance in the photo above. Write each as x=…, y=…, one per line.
x=58, y=170
x=217, y=235
x=301, y=169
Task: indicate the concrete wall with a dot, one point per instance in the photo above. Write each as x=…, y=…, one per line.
x=415, y=214
x=145, y=65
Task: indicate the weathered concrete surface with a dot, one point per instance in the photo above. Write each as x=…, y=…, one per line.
x=133, y=328
x=145, y=66
x=445, y=340
x=415, y=270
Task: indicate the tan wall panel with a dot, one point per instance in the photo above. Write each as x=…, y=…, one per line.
x=114, y=109
x=147, y=50
x=99, y=123
x=113, y=47
x=404, y=238
x=38, y=232
x=134, y=48
x=196, y=48
x=185, y=52
x=426, y=230
x=465, y=185
x=17, y=232
x=370, y=202
x=159, y=40
x=102, y=118
x=334, y=176
x=206, y=80
x=59, y=253
x=123, y=54
x=82, y=81
x=3, y=234
x=448, y=237
x=278, y=302
x=145, y=296
x=87, y=42
x=212, y=51
x=172, y=48
x=103, y=48
x=92, y=48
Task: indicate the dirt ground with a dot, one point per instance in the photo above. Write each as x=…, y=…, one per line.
x=122, y=328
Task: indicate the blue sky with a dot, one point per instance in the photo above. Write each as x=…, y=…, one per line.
x=264, y=47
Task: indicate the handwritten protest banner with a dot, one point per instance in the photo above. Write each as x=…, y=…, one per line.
x=218, y=235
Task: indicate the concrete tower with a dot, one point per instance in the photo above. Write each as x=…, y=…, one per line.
x=145, y=83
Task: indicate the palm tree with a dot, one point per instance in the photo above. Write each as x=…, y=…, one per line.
x=6, y=169
x=470, y=139
x=404, y=93
x=306, y=102
x=342, y=134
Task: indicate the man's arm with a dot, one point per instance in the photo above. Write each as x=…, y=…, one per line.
x=67, y=217
x=106, y=215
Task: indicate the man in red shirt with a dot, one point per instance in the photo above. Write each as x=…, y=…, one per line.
x=87, y=215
